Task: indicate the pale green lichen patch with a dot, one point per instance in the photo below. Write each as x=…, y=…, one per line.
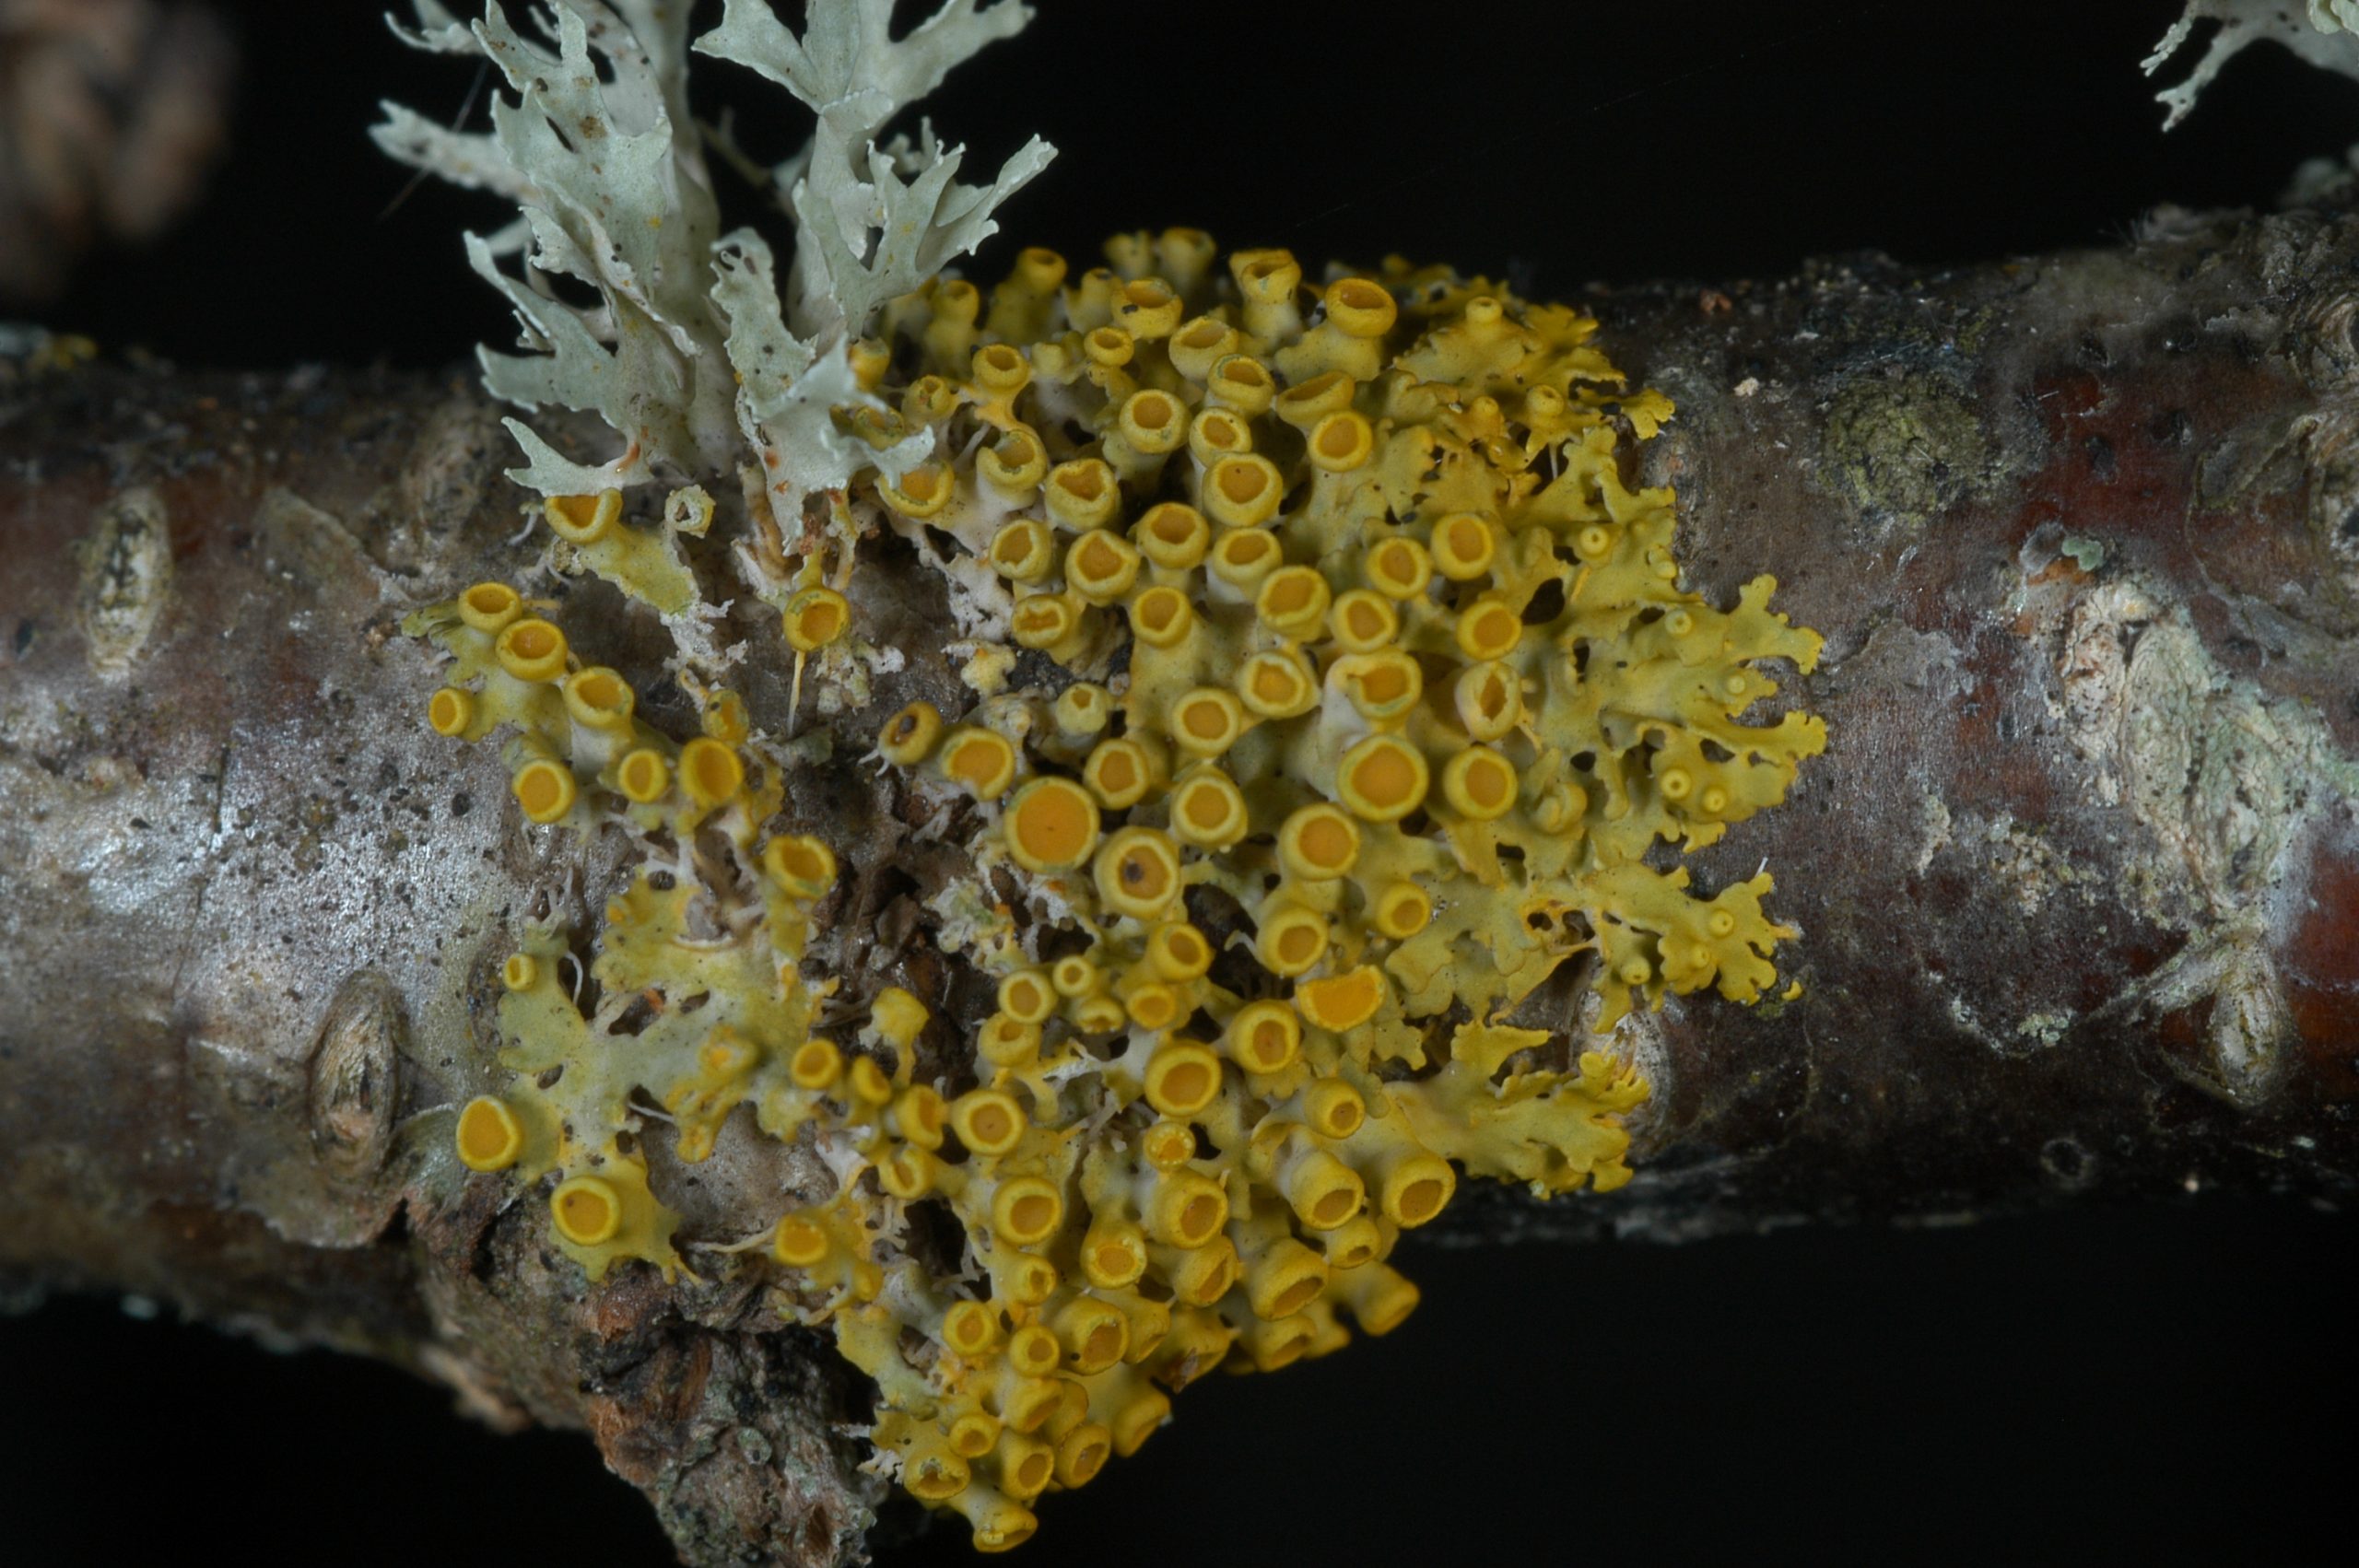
x=1904, y=450
x=2227, y=785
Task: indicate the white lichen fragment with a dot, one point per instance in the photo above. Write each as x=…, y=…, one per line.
x=878, y=220
x=1934, y=818
x=2328, y=37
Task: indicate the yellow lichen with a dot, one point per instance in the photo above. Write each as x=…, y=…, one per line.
x=645, y=563
x=1412, y=690
x=1379, y=700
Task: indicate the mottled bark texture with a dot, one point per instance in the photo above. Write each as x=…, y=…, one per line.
x=2076, y=878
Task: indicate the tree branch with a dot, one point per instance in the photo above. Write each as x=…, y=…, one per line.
x=2076, y=878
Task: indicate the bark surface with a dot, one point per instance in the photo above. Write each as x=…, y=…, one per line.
x=2077, y=878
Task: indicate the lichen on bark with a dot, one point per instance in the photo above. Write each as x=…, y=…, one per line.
x=213, y=846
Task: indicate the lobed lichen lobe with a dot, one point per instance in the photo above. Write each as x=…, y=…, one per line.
x=1346, y=693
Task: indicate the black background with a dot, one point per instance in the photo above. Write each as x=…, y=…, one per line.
x=2166, y=1383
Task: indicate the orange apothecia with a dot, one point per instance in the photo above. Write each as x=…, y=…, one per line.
x=1371, y=696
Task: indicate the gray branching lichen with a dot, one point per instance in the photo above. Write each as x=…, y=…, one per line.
x=690, y=355
x=2328, y=38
